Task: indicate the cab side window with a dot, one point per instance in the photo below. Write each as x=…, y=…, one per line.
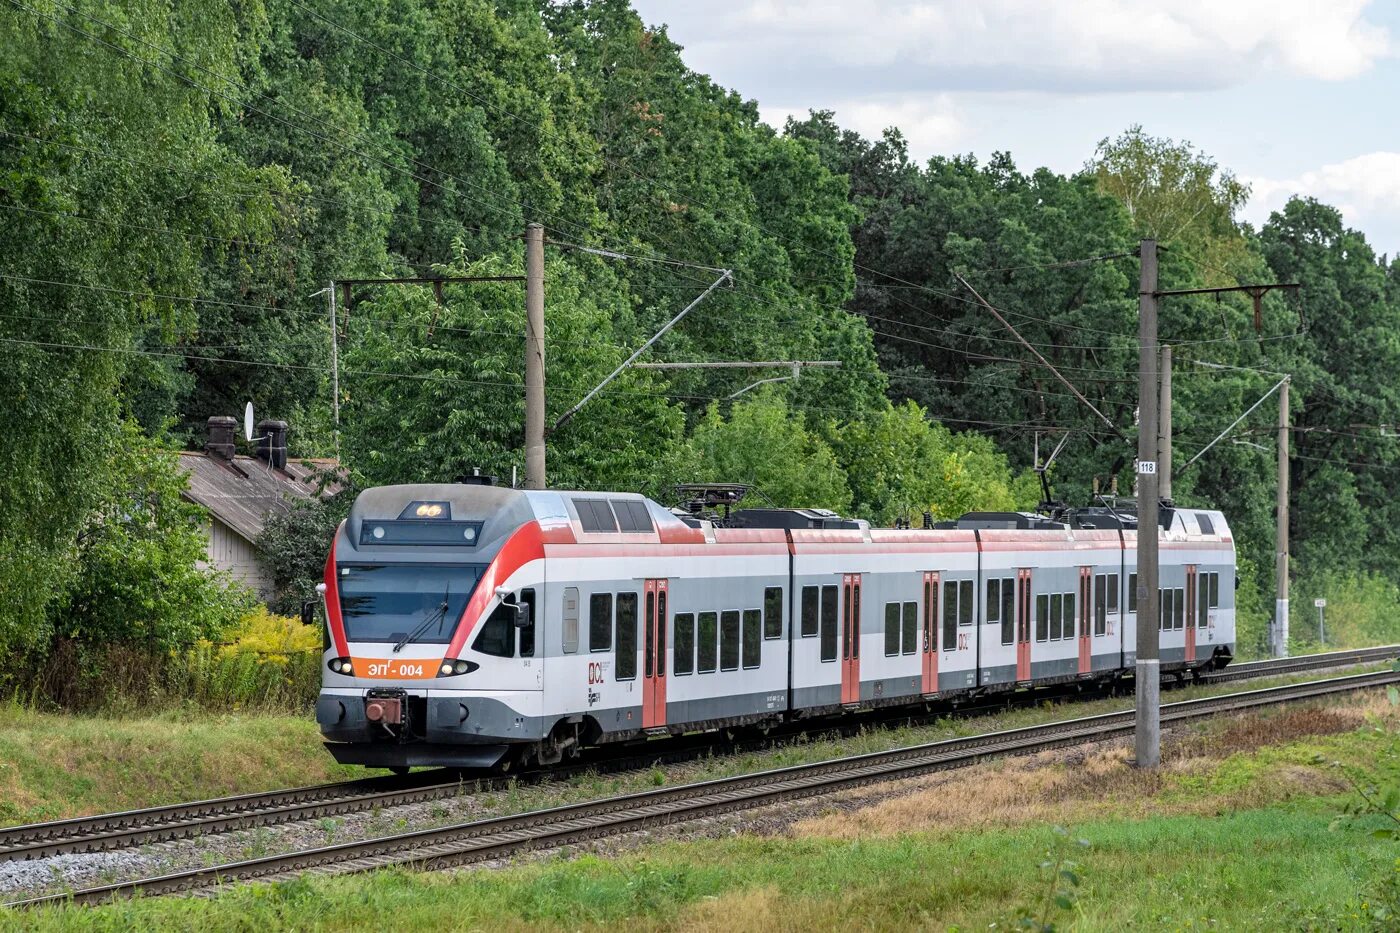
x=497, y=635
x=527, y=634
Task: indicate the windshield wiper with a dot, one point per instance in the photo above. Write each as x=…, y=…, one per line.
x=435, y=616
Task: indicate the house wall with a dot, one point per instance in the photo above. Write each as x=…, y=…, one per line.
x=230, y=551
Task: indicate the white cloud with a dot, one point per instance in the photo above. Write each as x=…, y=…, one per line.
x=1366, y=189
x=794, y=48
x=930, y=123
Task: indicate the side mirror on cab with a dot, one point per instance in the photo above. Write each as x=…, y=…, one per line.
x=522, y=615
x=308, y=612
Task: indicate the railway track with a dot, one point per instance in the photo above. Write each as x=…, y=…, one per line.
x=466, y=843
x=1306, y=662
x=182, y=821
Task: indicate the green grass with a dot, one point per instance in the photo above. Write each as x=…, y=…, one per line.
x=55, y=765
x=1256, y=870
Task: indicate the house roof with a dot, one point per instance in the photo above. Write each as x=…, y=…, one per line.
x=244, y=492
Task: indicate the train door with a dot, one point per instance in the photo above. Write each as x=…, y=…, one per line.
x=1023, y=625
x=654, y=656
x=930, y=633
x=1191, y=587
x=850, y=639
x=1086, y=595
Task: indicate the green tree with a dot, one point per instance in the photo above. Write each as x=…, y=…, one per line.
x=900, y=465
x=115, y=190
x=763, y=443
x=138, y=577
x=1344, y=466
x=295, y=543
x=1173, y=192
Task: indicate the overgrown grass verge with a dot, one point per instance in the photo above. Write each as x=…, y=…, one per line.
x=55, y=765
x=266, y=662
x=1185, y=866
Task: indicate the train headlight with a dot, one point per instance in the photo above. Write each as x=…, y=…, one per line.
x=469, y=533
x=341, y=666
x=378, y=531
x=451, y=668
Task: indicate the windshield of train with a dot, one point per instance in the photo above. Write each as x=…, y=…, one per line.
x=386, y=602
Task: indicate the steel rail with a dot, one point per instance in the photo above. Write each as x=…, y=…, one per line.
x=129, y=828
x=465, y=843
x=153, y=824
x=1306, y=662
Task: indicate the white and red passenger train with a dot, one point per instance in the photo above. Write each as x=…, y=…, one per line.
x=469, y=625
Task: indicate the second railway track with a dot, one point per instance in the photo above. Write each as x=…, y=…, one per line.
x=466, y=843
x=181, y=821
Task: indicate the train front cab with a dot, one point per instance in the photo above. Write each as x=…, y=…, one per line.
x=430, y=598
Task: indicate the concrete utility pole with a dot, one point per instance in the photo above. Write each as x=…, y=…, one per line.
x=335, y=368
x=1164, y=430
x=534, y=357
x=1281, y=534
x=1148, y=670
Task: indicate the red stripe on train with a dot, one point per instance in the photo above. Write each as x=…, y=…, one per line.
x=522, y=547
x=337, y=624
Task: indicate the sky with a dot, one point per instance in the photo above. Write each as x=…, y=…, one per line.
x=1293, y=96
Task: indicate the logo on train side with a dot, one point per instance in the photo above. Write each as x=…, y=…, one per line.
x=597, y=672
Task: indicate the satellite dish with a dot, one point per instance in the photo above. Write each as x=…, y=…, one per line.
x=248, y=422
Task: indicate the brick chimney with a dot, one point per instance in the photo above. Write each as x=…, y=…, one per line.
x=272, y=443
x=220, y=443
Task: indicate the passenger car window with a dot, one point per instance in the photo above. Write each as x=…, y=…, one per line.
x=950, y=615
x=684, y=643
x=773, y=612
x=600, y=606
x=626, y=636
x=753, y=637
x=729, y=640
x=892, y=628
x=829, y=622
x=811, y=603
x=706, y=657
x=1008, y=610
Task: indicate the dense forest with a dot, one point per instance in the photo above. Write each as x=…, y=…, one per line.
x=181, y=179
